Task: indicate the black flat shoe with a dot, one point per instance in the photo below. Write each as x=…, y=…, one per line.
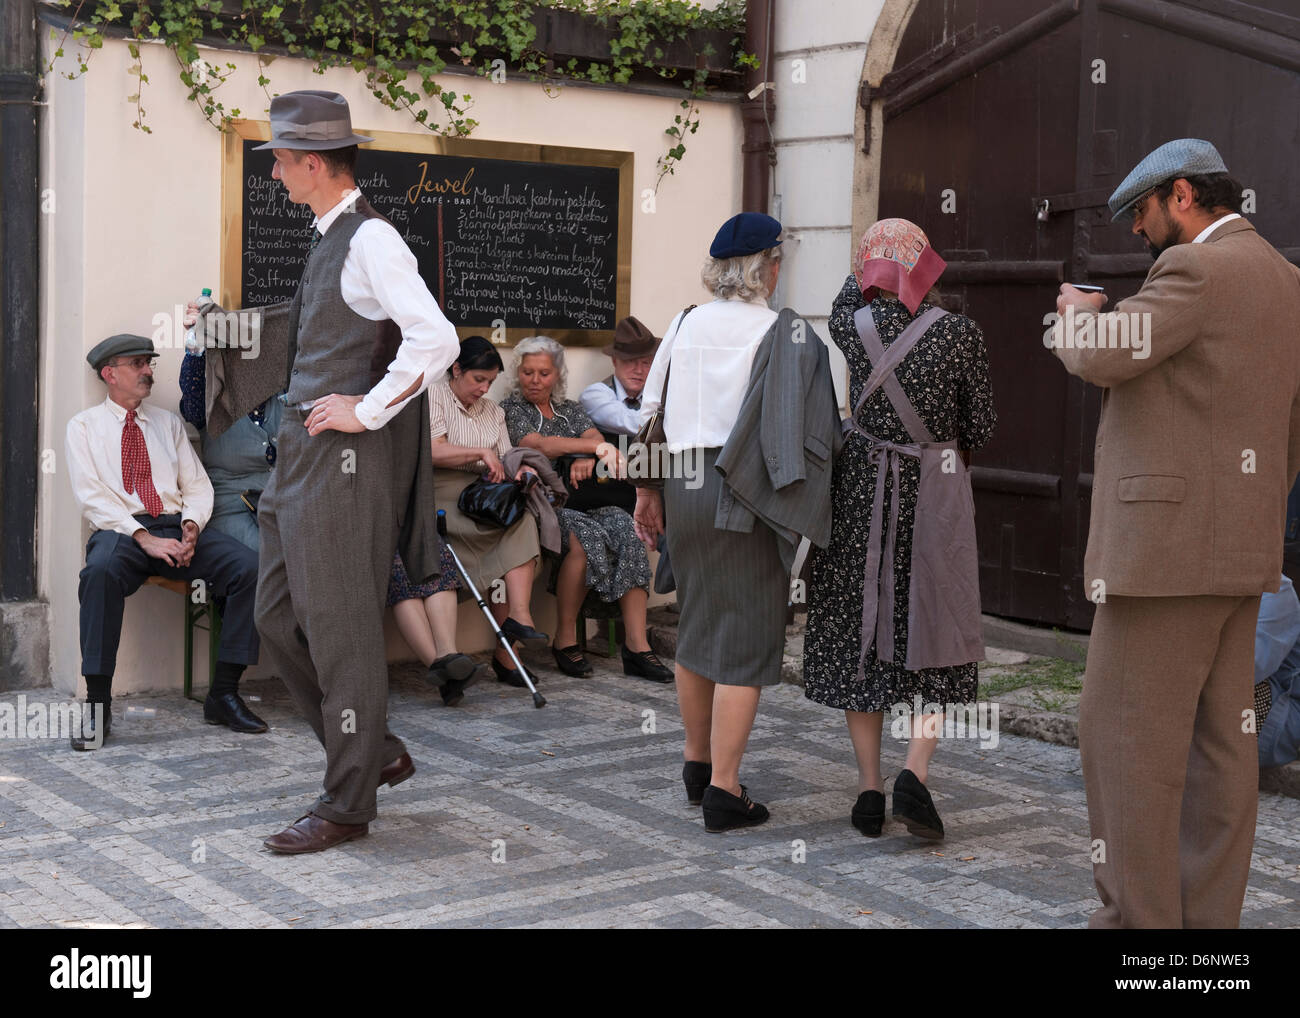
x=696, y=777
x=231, y=711
x=913, y=806
x=725, y=812
x=646, y=665
x=517, y=632
x=868, y=814
x=510, y=676
x=90, y=735
x=570, y=661
x=453, y=690
x=450, y=668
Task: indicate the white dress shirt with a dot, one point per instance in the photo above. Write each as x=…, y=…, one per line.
x=712, y=351
x=608, y=408
x=381, y=280
x=1204, y=234
x=94, y=450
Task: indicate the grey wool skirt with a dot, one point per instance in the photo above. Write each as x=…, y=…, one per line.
x=732, y=588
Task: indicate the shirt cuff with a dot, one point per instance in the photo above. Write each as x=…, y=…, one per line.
x=371, y=416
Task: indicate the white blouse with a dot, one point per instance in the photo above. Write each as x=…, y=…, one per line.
x=711, y=351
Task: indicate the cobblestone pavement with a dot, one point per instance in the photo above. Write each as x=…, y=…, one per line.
x=163, y=826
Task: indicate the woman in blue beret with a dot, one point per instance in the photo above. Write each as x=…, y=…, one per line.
x=731, y=587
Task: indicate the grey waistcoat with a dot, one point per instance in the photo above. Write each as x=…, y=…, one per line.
x=332, y=348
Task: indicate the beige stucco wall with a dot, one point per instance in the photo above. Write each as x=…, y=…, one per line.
x=135, y=225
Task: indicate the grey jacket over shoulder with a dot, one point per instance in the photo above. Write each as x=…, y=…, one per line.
x=778, y=460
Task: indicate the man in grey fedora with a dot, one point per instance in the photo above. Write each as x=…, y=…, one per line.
x=1197, y=447
x=364, y=340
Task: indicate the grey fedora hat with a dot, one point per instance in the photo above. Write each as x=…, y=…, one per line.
x=311, y=121
x=1184, y=157
x=122, y=345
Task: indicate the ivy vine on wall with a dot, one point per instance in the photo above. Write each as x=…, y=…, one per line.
x=400, y=48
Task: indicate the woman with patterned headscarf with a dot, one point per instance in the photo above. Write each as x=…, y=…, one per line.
x=894, y=611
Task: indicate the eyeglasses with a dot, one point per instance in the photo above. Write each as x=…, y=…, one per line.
x=1138, y=208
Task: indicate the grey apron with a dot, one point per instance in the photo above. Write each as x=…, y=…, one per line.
x=943, y=625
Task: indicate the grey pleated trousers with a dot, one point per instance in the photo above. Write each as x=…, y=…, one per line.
x=329, y=530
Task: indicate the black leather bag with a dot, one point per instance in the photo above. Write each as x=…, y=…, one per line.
x=496, y=504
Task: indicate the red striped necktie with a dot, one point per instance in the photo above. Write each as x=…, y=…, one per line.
x=137, y=474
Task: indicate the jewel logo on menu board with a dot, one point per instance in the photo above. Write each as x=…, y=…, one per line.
x=445, y=186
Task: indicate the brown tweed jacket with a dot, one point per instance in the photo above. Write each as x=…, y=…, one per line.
x=1199, y=442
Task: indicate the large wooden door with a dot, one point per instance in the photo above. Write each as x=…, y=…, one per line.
x=1008, y=123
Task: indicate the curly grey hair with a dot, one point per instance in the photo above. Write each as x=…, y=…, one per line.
x=546, y=345
x=745, y=277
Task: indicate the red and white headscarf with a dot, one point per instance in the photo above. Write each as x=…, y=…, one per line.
x=896, y=255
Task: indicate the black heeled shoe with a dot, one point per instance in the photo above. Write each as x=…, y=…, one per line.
x=450, y=668
x=645, y=664
x=510, y=676
x=868, y=814
x=726, y=812
x=696, y=777
x=517, y=632
x=453, y=690
x=570, y=661
x=913, y=805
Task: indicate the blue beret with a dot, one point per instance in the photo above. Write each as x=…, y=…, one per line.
x=745, y=234
x=1184, y=157
x=121, y=345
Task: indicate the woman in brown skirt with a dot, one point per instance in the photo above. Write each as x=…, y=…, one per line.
x=469, y=439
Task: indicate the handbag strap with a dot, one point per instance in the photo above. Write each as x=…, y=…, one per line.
x=663, y=397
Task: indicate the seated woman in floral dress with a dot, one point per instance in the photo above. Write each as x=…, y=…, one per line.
x=604, y=569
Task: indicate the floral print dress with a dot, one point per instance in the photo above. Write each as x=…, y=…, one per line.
x=946, y=377
x=616, y=559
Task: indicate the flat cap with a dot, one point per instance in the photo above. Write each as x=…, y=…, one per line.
x=1183, y=157
x=745, y=234
x=122, y=345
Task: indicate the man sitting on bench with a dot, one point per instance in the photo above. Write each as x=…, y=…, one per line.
x=143, y=490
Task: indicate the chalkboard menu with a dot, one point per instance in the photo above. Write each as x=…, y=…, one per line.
x=513, y=241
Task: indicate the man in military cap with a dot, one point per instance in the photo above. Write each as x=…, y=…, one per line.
x=365, y=339
x=143, y=490
x=1198, y=444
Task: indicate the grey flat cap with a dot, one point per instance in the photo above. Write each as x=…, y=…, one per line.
x=122, y=345
x=311, y=121
x=1181, y=158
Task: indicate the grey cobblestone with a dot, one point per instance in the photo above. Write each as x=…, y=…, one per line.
x=595, y=825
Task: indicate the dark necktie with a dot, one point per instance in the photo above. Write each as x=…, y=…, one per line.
x=137, y=474
x=634, y=402
x=315, y=239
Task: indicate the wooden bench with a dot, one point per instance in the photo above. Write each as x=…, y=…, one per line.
x=203, y=616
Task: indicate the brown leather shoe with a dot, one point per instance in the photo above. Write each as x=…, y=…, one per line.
x=313, y=834
x=397, y=771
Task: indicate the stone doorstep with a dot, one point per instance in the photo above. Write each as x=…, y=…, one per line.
x=1014, y=719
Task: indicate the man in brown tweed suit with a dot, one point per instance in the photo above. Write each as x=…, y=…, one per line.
x=1198, y=444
